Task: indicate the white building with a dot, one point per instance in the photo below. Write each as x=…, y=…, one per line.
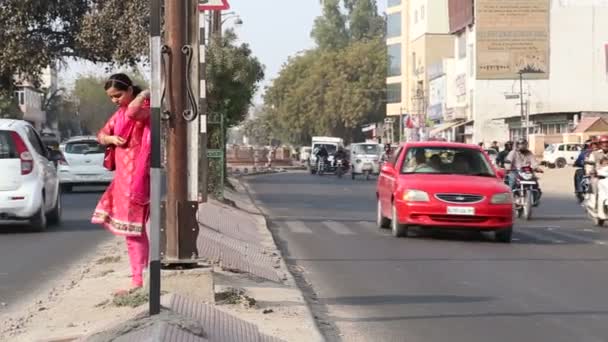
x=577, y=79
x=30, y=97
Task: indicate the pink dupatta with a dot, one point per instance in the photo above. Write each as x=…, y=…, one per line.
x=126, y=120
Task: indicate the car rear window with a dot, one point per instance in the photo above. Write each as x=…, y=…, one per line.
x=7, y=146
x=84, y=147
x=446, y=160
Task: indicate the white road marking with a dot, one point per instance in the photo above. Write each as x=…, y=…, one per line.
x=298, y=227
x=338, y=228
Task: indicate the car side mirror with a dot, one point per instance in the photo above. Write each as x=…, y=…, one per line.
x=500, y=173
x=388, y=168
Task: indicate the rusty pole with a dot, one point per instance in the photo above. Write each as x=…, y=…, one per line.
x=177, y=159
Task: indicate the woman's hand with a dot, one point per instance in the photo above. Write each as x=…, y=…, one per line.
x=113, y=140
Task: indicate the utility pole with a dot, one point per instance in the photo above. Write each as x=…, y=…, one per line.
x=203, y=168
x=155, y=159
x=181, y=225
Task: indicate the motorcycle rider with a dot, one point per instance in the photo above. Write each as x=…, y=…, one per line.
x=502, y=155
x=593, y=164
x=590, y=146
x=340, y=154
x=519, y=158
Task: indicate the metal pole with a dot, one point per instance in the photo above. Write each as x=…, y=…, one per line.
x=193, y=127
x=177, y=158
x=521, y=103
x=401, y=125
x=155, y=160
x=202, y=75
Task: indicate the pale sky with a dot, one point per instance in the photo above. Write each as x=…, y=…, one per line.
x=275, y=30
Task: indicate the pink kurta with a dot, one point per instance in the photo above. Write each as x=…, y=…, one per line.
x=117, y=210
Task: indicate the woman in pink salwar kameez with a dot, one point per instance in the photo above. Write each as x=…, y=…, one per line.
x=124, y=207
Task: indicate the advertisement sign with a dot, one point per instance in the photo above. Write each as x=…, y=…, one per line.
x=512, y=37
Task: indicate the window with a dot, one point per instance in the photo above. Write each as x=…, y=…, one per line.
x=84, y=147
x=21, y=97
x=34, y=139
x=368, y=149
x=462, y=46
x=393, y=25
x=394, y=60
x=7, y=146
x=393, y=93
x=395, y=156
x=392, y=3
x=561, y=148
x=446, y=160
x=422, y=12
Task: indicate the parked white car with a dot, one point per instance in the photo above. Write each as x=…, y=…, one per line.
x=83, y=164
x=561, y=155
x=29, y=185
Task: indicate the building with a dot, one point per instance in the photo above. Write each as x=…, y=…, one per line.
x=30, y=96
x=397, y=40
x=560, y=50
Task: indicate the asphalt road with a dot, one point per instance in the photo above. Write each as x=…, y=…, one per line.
x=550, y=284
x=28, y=261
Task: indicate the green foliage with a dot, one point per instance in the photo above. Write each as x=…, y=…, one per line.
x=233, y=74
x=259, y=130
x=337, y=87
x=9, y=109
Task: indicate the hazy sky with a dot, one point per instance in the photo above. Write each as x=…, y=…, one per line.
x=275, y=30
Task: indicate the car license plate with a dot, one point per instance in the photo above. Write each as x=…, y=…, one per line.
x=367, y=166
x=527, y=182
x=469, y=211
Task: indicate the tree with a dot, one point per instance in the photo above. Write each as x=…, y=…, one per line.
x=9, y=109
x=329, y=30
x=363, y=19
x=259, y=129
x=333, y=90
x=38, y=33
x=233, y=75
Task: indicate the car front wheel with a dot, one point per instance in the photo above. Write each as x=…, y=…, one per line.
x=38, y=223
x=381, y=221
x=398, y=229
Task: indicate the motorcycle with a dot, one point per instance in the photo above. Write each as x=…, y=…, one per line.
x=322, y=166
x=593, y=201
x=526, y=193
x=341, y=167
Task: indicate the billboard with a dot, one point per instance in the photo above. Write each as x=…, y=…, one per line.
x=512, y=37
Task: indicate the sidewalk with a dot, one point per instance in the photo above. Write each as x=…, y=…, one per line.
x=231, y=306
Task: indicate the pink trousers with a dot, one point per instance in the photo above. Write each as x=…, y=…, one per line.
x=138, y=248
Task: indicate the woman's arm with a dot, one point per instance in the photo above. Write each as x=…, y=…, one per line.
x=106, y=131
x=139, y=108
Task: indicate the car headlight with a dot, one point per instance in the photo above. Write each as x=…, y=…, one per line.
x=502, y=198
x=415, y=196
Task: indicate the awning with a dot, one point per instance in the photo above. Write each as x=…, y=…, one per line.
x=444, y=126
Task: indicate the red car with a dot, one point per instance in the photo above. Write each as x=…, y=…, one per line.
x=436, y=184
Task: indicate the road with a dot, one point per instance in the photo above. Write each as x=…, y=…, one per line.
x=550, y=284
x=28, y=261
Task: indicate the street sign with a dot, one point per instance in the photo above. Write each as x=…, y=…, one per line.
x=213, y=5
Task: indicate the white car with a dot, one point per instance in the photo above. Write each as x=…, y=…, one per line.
x=29, y=185
x=83, y=164
x=561, y=155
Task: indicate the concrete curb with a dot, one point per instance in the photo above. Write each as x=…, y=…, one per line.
x=317, y=335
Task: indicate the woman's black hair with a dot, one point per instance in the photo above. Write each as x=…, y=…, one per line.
x=121, y=82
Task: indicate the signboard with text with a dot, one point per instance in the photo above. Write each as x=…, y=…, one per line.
x=213, y=5
x=512, y=37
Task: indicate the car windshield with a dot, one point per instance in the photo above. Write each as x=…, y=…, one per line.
x=331, y=149
x=84, y=147
x=550, y=148
x=446, y=160
x=366, y=149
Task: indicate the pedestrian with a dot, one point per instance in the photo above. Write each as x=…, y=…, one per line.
x=125, y=206
x=495, y=146
x=481, y=144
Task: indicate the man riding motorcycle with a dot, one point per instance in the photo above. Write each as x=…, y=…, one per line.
x=519, y=158
x=592, y=164
x=502, y=155
x=340, y=155
x=590, y=146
